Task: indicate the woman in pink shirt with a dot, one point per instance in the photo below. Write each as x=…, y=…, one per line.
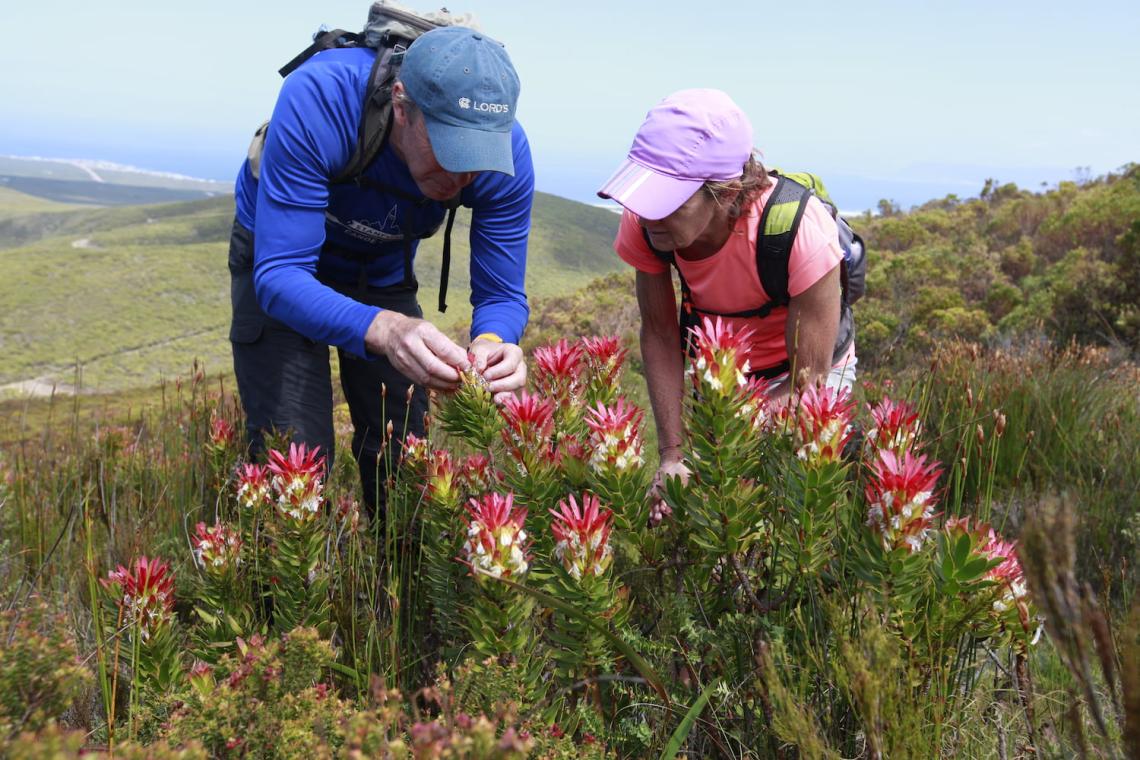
x=693, y=187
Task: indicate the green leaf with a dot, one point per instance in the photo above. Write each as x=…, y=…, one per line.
x=686, y=725
x=639, y=663
x=973, y=569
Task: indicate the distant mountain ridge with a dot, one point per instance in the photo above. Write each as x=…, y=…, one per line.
x=101, y=183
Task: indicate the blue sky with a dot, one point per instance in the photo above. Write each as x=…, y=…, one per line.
x=884, y=99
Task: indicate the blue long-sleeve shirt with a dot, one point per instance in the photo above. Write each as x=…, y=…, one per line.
x=294, y=212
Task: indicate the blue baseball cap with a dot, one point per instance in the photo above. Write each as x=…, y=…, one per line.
x=467, y=90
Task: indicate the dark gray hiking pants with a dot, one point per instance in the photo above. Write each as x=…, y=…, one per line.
x=285, y=382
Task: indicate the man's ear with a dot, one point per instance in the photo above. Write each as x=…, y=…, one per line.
x=399, y=110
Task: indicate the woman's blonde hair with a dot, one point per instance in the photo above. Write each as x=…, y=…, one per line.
x=741, y=192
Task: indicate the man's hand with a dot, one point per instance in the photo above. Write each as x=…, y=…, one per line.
x=501, y=365
x=417, y=349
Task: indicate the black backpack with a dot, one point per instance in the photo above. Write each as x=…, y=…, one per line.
x=389, y=31
x=776, y=233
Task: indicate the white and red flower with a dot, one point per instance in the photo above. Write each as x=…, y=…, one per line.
x=145, y=592
x=217, y=549
x=900, y=499
x=822, y=423
x=253, y=487
x=615, y=436
x=297, y=481
x=719, y=366
x=896, y=427
x=496, y=539
x=583, y=536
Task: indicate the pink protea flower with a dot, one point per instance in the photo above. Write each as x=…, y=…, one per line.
x=145, y=591
x=822, y=425
x=1012, y=600
x=414, y=451
x=897, y=427
x=615, y=437
x=558, y=370
x=222, y=434
x=217, y=549
x=496, y=541
x=529, y=427
x=583, y=536
x=297, y=480
x=604, y=357
x=900, y=499
x=253, y=486
x=720, y=363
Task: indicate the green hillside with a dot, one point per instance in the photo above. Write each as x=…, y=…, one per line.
x=134, y=294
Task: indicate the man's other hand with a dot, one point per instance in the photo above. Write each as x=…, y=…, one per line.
x=501, y=365
x=417, y=349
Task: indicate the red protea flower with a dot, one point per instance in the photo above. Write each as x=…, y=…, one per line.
x=529, y=426
x=253, y=486
x=583, y=536
x=822, y=423
x=222, y=434
x=217, y=549
x=478, y=473
x=604, y=357
x=896, y=427
x=558, y=370
x=615, y=437
x=145, y=592
x=720, y=362
x=900, y=499
x=496, y=541
x=297, y=480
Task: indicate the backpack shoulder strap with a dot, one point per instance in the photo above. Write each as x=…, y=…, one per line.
x=335, y=38
x=775, y=235
x=375, y=114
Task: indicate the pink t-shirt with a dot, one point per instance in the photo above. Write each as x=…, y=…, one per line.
x=728, y=282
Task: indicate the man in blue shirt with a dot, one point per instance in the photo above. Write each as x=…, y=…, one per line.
x=315, y=264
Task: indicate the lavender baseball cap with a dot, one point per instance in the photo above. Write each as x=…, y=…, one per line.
x=687, y=139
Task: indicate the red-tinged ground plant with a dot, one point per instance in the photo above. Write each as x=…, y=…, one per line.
x=296, y=572
x=141, y=601
x=498, y=547
x=41, y=674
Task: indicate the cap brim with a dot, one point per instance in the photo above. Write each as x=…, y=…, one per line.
x=462, y=149
x=649, y=194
